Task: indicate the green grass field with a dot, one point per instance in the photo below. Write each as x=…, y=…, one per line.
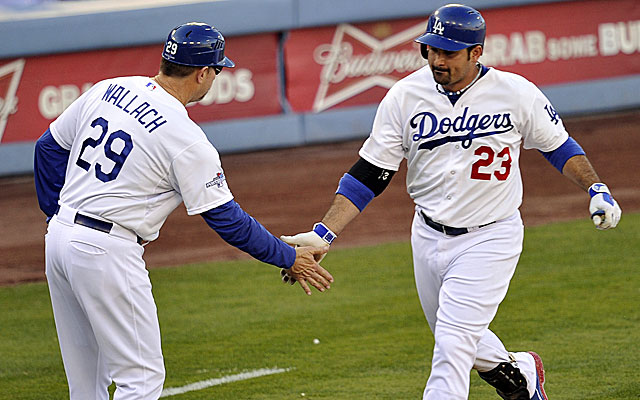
x=575, y=299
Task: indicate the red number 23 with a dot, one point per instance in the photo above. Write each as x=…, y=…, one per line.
x=502, y=173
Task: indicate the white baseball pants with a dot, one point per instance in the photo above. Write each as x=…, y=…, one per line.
x=104, y=311
x=461, y=280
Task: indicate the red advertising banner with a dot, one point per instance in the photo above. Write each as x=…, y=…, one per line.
x=349, y=65
x=35, y=90
x=565, y=42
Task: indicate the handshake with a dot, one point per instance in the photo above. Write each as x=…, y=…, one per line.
x=315, y=244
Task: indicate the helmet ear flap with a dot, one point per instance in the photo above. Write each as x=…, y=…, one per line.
x=424, y=51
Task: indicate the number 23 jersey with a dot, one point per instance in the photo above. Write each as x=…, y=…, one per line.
x=462, y=159
x=135, y=155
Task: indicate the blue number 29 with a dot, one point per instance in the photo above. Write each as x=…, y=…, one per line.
x=117, y=158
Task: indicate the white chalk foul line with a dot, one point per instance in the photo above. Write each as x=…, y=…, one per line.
x=225, y=379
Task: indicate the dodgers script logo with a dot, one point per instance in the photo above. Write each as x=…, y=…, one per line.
x=460, y=129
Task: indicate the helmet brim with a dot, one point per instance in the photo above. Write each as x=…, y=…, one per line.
x=441, y=42
x=226, y=62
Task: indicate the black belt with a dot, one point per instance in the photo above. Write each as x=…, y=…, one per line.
x=102, y=226
x=448, y=230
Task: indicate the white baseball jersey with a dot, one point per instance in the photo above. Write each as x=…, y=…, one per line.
x=462, y=159
x=136, y=155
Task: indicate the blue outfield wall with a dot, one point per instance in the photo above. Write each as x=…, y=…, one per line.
x=24, y=36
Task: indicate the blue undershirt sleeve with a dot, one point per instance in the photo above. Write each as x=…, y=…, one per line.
x=49, y=167
x=559, y=157
x=240, y=230
x=354, y=190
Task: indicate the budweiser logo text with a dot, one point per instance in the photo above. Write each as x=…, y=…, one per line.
x=340, y=64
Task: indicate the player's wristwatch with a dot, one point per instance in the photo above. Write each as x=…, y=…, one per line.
x=325, y=233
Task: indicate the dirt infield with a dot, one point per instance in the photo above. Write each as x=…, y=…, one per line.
x=287, y=190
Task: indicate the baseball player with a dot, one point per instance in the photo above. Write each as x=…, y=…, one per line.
x=108, y=172
x=460, y=125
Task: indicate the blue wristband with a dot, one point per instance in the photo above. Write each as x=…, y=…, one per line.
x=356, y=191
x=325, y=233
x=559, y=157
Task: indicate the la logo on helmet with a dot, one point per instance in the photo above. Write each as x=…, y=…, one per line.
x=438, y=27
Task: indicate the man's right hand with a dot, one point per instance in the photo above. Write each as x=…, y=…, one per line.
x=306, y=269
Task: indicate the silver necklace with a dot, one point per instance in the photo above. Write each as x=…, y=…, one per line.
x=441, y=90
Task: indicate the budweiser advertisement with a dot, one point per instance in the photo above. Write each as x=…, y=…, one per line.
x=355, y=64
x=35, y=90
x=349, y=65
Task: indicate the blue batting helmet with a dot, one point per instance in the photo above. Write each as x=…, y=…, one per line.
x=454, y=27
x=196, y=44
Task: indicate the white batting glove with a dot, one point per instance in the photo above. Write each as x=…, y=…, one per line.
x=605, y=211
x=320, y=236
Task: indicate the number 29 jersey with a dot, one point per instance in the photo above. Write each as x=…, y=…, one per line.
x=135, y=155
x=462, y=159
